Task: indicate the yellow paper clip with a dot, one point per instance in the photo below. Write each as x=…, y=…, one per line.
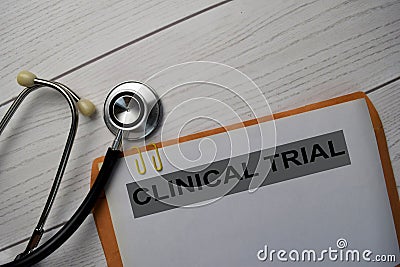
x=137, y=162
x=160, y=167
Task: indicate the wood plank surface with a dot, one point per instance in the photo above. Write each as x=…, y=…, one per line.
x=82, y=249
x=221, y=35
x=52, y=37
x=387, y=102
x=296, y=52
x=90, y=253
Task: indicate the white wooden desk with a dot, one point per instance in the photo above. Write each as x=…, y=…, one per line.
x=297, y=52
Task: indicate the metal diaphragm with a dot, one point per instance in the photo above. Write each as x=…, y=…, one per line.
x=133, y=107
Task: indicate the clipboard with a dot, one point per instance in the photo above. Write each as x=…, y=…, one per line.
x=101, y=211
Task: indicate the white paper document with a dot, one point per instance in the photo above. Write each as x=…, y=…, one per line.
x=313, y=196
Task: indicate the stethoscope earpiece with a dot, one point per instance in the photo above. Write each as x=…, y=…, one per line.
x=26, y=78
x=86, y=107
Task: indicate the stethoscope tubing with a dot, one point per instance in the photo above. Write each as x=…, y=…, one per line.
x=71, y=99
x=34, y=253
x=77, y=218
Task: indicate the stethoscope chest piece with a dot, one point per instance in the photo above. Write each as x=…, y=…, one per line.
x=133, y=107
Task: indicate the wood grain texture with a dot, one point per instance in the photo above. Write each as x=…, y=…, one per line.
x=88, y=252
x=296, y=52
x=51, y=37
x=387, y=102
x=82, y=249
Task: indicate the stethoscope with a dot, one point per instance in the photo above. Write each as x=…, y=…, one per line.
x=132, y=110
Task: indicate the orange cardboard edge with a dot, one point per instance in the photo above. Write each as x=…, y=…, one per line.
x=101, y=211
x=102, y=219
x=386, y=166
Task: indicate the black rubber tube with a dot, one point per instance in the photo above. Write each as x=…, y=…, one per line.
x=77, y=218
